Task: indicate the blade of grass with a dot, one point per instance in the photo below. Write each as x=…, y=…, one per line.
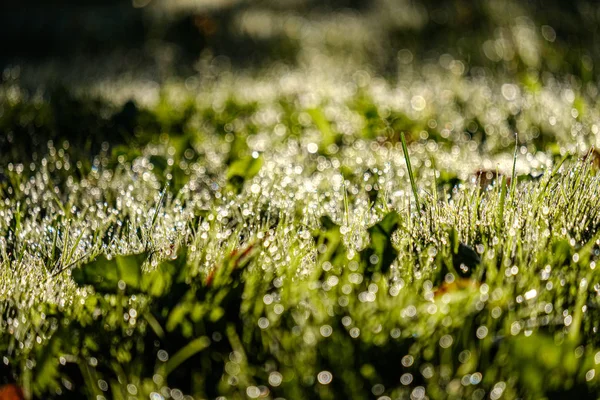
x=155, y=216
x=193, y=347
x=346, y=212
x=501, y=201
x=159, y=206
x=513, y=181
x=64, y=268
x=410, y=171
x=154, y=324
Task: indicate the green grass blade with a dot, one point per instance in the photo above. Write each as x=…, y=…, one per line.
x=513, y=181
x=410, y=171
x=193, y=347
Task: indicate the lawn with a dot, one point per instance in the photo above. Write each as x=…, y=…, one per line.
x=339, y=201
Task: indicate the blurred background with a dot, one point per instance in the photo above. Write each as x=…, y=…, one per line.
x=75, y=42
x=93, y=64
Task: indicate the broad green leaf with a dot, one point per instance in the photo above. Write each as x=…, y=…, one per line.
x=245, y=167
x=104, y=274
x=160, y=281
x=242, y=170
x=464, y=258
x=329, y=235
x=47, y=366
x=380, y=254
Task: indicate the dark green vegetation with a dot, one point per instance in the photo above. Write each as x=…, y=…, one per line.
x=301, y=200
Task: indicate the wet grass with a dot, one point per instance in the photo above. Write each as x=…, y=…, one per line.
x=286, y=269
x=319, y=229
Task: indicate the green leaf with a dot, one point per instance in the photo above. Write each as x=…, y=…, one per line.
x=539, y=356
x=242, y=170
x=160, y=164
x=47, y=366
x=104, y=274
x=245, y=167
x=464, y=258
x=329, y=235
x=328, y=136
x=447, y=180
x=160, y=281
x=129, y=153
x=380, y=254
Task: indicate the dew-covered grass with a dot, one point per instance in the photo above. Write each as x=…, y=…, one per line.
x=310, y=231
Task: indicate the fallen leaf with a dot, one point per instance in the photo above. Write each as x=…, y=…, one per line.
x=11, y=392
x=456, y=285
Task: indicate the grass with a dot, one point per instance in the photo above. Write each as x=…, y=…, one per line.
x=311, y=231
x=292, y=283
